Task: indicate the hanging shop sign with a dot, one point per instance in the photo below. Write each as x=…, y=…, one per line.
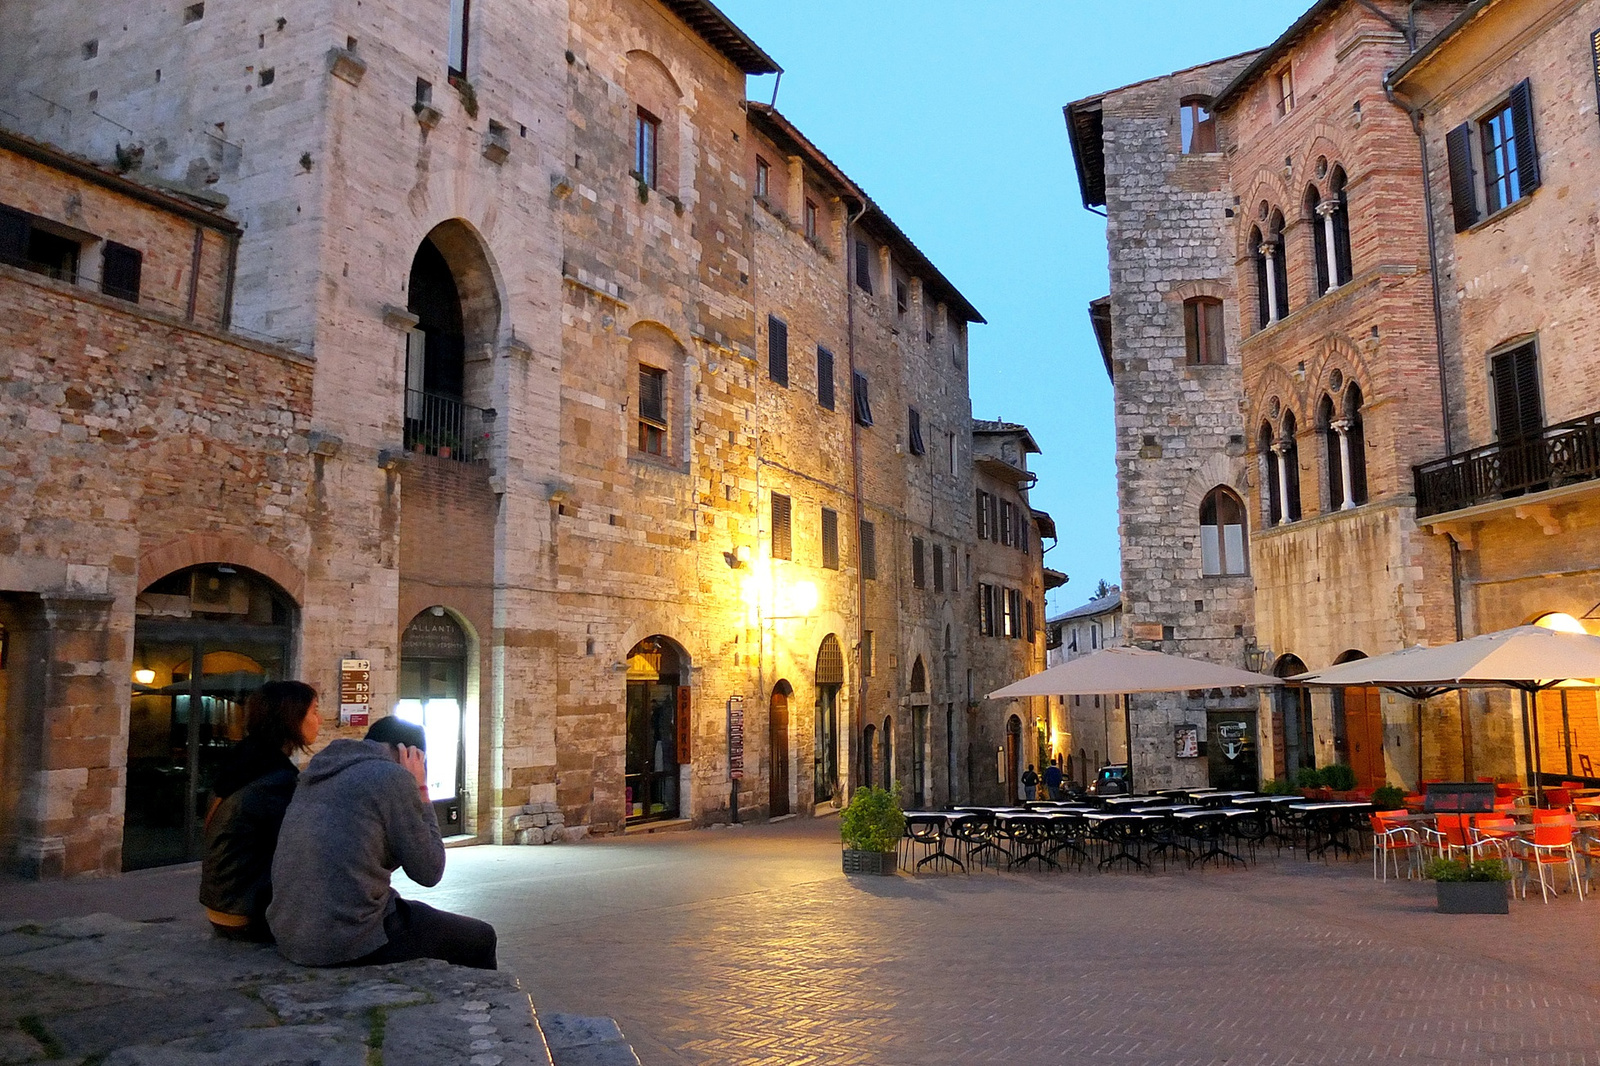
x=736, y=737
x=355, y=692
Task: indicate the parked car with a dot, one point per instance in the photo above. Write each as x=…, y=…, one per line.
x=1112, y=780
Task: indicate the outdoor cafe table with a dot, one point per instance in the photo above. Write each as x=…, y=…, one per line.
x=1119, y=802
x=1198, y=825
x=1031, y=831
x=1220, y=799
x=1117, y=828
x=941, y=822
x=1330, y=820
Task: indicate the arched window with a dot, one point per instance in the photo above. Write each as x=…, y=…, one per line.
x=1332, y=451
x=1272, y=483
x=1202, y=331
x=1315, y=214
x=1290, y=461
x=1345, y=445
x=1280, y=265
x=1258, y=258
x=1356, y=437
x=1198, y=125
x=1338, y=194
x=1222, y=534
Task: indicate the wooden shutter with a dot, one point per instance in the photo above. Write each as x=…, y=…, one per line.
x=830, y=539
x=1518, y=412
x=864, y=266
x=120, y=271
x=1031, y=631
x=781, y=540
x=1463, y=182
x=824, y=377
x=1522, y=130
x=653, y=394
x=778, y=350
x=919, y=567
x=14, y=230
x=867, y=549
x=863, y=402
x=1191, y=331
x=914, y=417
x=983, y=515
x=938, y=568
x=685, y=725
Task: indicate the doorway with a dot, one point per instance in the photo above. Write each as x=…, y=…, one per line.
x=1293, y=742
x=1012, y=771
x=1231, y=749
x=829, y=675
x=778, y=745
x=204, y=640
x=655, y=669
x=434, y=653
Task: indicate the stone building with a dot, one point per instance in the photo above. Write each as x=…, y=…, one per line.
x=1005, y=575
x=1293, y=544
x=573, y=490
x=1505, y=100
x=1087, y=731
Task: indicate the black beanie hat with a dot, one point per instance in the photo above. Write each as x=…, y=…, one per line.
x=393, y=730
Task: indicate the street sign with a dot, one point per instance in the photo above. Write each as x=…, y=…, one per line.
x=355, y=691
x=736, y=737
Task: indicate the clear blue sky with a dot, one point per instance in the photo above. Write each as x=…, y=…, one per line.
x=948, y=112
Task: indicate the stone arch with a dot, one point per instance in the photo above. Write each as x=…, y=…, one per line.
x=656, y=94
x=1267, y=187
x=199, y=549
x=1337, y=352
x=655, y=624
x=477, y=277
x=1207, y=287
x=1325, y=140
x=1273, y=381
x=1216, y=469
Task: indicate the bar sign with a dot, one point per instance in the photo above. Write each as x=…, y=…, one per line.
x=355, y=691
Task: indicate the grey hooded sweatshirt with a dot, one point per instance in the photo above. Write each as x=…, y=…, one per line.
x=356, y=815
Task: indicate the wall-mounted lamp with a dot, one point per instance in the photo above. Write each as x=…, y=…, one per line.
x=145, y=676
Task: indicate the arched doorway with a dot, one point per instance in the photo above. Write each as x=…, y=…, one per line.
x=1358, y=729
x=658, y=728
x=1293, y=741
x=919, y=735
x=452, y=292
x=778, y=745
x=825, y=753
x=434, y=657
x=1013, y=767
x=204, y=639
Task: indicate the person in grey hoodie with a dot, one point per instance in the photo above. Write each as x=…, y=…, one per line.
x=360, y=810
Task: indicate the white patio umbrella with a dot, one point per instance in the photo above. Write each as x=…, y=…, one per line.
x=1113, y=670
x=1526, y=658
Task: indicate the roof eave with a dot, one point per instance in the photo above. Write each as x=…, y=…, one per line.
x=721, y=33
x=1271, y=54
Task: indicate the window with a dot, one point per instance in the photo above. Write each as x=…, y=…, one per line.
x=1356, y=437
x=1283, y=91
x=120, y=268
x=955, y=569
x=994, y=517
x=1008, y=612
x=763, y=177
x=778, y=350
x=863, y=402
x=986, y=610
x=1029, y=630
x=193, y=13
x=652, y=410
x=867, y=550
x=863, y=266
x=1007, y=522
x=830, y=539
x=1197, y=125
x=26, y=242
x=1221, y=534
x=914, y=431
x=1272, y=273
x=811, y=220
x=1339, y=196
x=1202, y=331
x=869, y=654
x=1316, y=217
x=950, y=449
x=1514, y=376
x=1508, y=151
x=938, y=568
x=983, y=515
x=782, y=541
x=647, y=135
x=902, y=298
x=919, y=566
x=460, y=12
x=824, y=378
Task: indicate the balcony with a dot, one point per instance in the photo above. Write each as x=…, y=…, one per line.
x=445, y=427
x=1561, y=455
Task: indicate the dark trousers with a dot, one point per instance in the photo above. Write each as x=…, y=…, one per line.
x=418, y=931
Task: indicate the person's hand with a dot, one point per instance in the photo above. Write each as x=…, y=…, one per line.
x=415, y=763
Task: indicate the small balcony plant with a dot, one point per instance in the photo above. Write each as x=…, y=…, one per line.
x=1468, y=886
x=871, y=828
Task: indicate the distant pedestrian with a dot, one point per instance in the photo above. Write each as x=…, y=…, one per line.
x=361, y=810
x=249, y=796
x=1052, y=779
x=1030, y=782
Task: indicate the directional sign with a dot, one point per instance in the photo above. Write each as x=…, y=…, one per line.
x=355, y=691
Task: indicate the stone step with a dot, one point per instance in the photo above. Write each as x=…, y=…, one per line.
x=578, y=1041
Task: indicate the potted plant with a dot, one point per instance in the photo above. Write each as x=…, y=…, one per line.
x=1275, y=787
x=870, y=828
x=1468, y=887
x=1308, y=779
x=1388, y=798
x=1340, y=778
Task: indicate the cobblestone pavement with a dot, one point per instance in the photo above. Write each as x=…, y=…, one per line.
x=748, y=946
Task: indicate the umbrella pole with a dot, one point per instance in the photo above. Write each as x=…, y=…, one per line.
x=1538, y=755
x=1566, y=731
x=1527, y=742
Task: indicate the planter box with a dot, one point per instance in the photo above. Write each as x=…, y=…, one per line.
x=869, y=862
x=1473, y=897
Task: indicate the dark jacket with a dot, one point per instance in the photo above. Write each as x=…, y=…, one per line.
x=356, y=816
x=253, y=786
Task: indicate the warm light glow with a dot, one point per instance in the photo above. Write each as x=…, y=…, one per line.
x=768, y=594
x=1561, y=623
x=145, y=676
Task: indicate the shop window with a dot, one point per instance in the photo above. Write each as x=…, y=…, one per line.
x=1222, y=534
x=1202, y=331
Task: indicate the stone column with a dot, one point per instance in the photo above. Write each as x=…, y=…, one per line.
x=1280, y=448
x=1327, y=209
x=1342, y=427
x=1269, y=251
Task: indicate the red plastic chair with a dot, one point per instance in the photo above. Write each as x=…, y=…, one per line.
x=1391, y=838
x=1552, y=845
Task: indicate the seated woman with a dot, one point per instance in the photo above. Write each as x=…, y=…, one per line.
x=252, y=791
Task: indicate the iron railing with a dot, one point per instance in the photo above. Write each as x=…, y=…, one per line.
x=445, y=427
x=1563, y=454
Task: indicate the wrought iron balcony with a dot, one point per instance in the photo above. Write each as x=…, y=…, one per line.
x=445, y=427
x=1564, y=454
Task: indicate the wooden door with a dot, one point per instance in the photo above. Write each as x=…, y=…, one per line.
x=778, y=744
x=1363, y=722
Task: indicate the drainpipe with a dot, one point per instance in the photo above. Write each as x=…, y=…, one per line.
x=855, y=469
x=1415, y=115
